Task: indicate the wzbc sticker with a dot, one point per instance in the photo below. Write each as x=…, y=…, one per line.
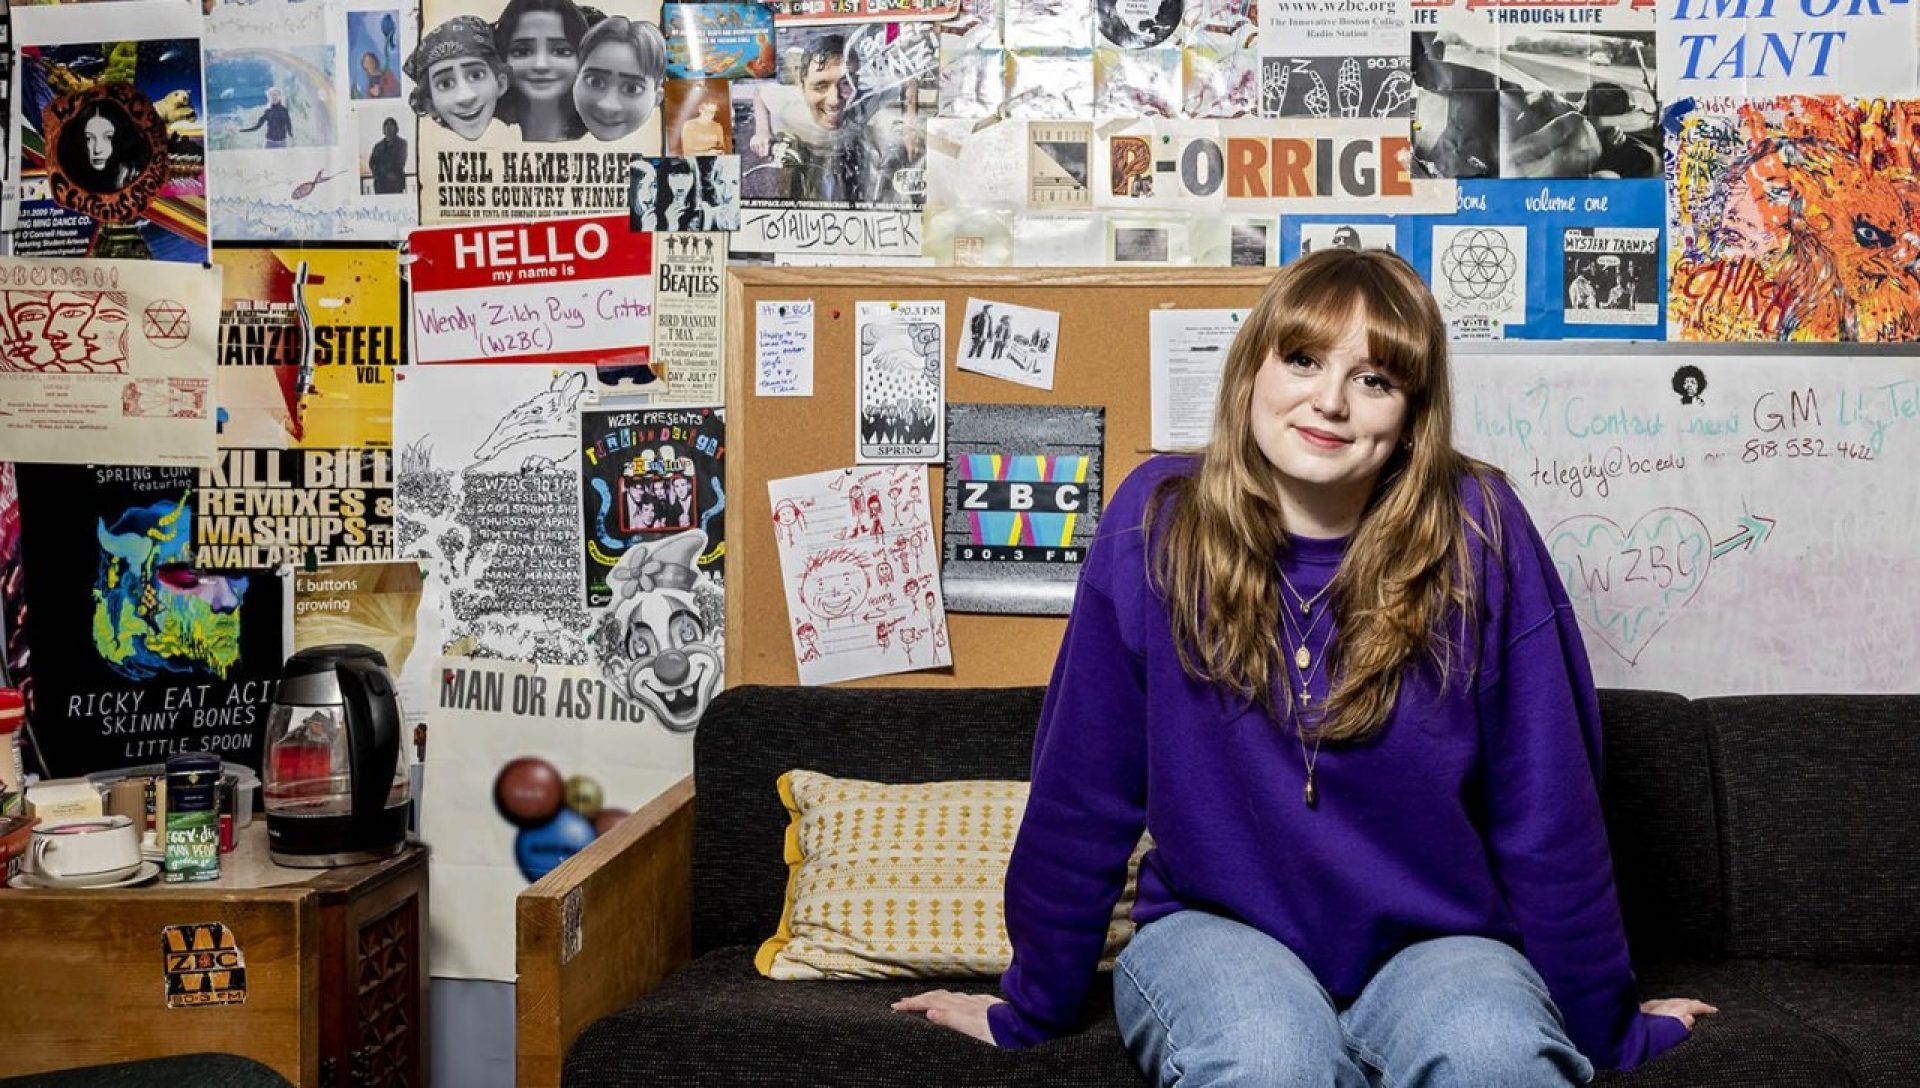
x=204, y=966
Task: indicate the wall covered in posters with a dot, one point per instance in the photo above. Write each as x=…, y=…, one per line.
x=421, y=338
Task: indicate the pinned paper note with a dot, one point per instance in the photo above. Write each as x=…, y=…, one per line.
x=783, y=349
x=862, y=576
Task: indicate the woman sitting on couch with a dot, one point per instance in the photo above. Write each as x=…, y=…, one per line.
x=1329, y=664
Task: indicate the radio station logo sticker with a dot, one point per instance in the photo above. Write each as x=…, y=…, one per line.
x=204, y=966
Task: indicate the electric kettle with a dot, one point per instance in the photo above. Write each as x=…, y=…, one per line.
x=334, y=786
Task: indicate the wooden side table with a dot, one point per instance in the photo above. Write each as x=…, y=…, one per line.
x=321, y=974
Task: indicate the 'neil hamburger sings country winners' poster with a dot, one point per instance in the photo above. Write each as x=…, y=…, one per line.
x=534, y=107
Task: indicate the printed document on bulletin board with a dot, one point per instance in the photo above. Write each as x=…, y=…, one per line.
x=1187, y=354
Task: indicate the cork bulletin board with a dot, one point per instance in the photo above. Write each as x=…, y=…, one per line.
x=1102, y=360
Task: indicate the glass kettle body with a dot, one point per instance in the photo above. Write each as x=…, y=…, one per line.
x=334, y=787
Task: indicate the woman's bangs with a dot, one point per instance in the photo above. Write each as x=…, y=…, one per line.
x=1318, y=311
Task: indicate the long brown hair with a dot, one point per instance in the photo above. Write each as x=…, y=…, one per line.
x=1403, y=588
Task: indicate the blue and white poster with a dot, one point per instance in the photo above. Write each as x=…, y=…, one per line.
x=1524, y=260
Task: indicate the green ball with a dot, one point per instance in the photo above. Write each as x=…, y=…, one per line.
x=585, y=796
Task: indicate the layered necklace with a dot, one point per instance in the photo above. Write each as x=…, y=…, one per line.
x=1306, y=665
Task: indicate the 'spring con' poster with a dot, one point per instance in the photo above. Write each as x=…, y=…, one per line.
x=534, y=108
x=139, y=653
x=1023, y=497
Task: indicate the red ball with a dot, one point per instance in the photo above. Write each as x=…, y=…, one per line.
x=606, y=818
x=529, y=791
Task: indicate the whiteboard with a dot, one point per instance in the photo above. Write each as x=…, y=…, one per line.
x=1763, y=538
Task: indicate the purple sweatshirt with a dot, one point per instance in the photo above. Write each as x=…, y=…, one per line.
x=1475, y=812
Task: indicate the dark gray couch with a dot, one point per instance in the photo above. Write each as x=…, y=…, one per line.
x=1767, y=851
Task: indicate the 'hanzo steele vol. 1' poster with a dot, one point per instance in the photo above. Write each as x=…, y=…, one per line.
x=351, y=298
x=534, y=108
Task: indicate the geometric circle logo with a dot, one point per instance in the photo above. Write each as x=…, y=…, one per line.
x=165, y=323
x=1478, y=264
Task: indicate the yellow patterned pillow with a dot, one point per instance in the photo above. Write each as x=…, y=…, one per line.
x=902, y=881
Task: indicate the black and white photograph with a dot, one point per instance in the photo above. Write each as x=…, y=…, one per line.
x=1250, y=245
x=1140, y=244
x=1138, y=24
x=1544, y=104
x=1611, y=275
x=1346, y=236
x=386, y=156
x=1023, y=497
x=844, y=122
x=899, y=407
x=673, y=194
x=532, y=75
x=1014, y=343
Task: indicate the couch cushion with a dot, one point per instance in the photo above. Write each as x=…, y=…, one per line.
x=1872, y=1011
x=1751, y=1042
x=1820, y=825
x=904, y=881
x=752, y=735
x=1657, y=791
x=717, y=1022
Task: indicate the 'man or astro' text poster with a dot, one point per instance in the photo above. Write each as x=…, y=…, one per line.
x=533, y=110
x=530, y=764
x=139, y=654
x=112, y=132
x=1023, y=497
x=337, y=310
x=488, y=489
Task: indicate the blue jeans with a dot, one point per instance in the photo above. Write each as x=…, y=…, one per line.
x=1203, y=1001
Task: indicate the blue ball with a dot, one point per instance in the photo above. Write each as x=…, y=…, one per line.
x=539, y=849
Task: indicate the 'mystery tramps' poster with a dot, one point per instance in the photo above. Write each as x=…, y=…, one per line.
x=112, y=132
x=107, y=362
x=1023, y=489
x=308, y=129
x=534, y=109
x=137, y=652
x=858, y=561
x=902, y=383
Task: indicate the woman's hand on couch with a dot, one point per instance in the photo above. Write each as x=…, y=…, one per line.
x=964, y=1013
x=1683, y=1009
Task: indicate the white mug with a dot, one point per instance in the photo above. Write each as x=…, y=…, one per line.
x=96, y=850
